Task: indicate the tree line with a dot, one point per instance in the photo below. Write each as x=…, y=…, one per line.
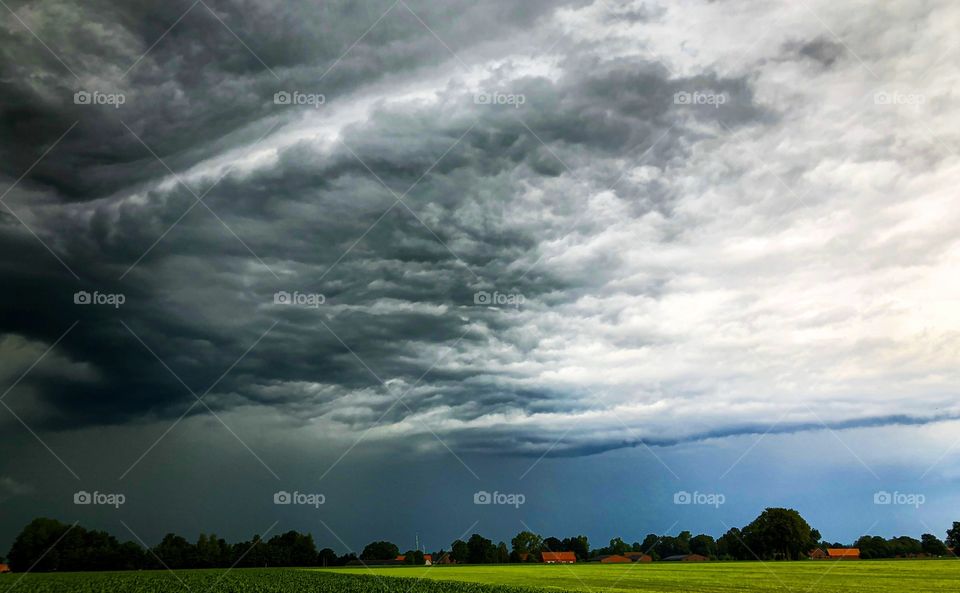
x=46, y=545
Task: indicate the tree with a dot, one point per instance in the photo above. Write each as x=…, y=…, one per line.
x=649, y=545
x=526, y=542
x=326, y=557
x=481, y=550
x=380, y=550
x=175, y=552
x=618, y=546
x=778, y=534
x=931, y=544
x=953, y=537
x=579, y=545
x=731, y=546
x=459, y=551
x=703, y=545
x=873, y=546
x=552, y=544
x=413, y=557
x=503, y=555
x=31, y=544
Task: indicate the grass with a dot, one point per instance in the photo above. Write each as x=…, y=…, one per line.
x=741, y=577
x=874, y=576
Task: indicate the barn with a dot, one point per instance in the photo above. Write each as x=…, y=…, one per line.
x=558, y=557
x=843, y=553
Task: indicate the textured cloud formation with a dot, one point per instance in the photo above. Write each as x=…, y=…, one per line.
x=692, y=232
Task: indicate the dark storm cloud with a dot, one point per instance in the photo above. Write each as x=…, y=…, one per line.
x=192, y=76
x=399, y=278
x=203, y=296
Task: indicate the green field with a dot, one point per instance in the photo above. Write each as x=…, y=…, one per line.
x=788, y=577
x=901, y=576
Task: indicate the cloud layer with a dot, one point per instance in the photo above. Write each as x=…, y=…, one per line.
x=537, y=229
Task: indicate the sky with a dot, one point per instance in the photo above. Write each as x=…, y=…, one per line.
x=432, y=269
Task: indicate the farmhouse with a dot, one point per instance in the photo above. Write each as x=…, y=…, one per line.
x=558, y=557
x=686, y=558
x=4, y=568
x=639, y=557
x=818, y=554
x=843, y=553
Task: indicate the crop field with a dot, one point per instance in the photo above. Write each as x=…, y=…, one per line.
x=785, y=577
x=245, y=580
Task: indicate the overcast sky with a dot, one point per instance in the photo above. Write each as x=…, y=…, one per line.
x=400, y=252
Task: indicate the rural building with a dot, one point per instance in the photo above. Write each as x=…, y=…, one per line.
x=558, y=557
x=639, y=557
x=843, y=553
x=818, y=554
x=686, y=558
x=612, y=559
x=4, y=568
x=427, y=559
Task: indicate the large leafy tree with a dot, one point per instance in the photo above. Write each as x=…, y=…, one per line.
x=526, y=542
x=380, y=550
x=953, y=537
x=481, y=550
x=731, y=546
x=778, y=534
x=459, y=551
x=579, y=545
x=931, y=544
x=618, y=546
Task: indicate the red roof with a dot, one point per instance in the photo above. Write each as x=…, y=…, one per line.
x=4, y=568
x=559, y=557
x=843, y=552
